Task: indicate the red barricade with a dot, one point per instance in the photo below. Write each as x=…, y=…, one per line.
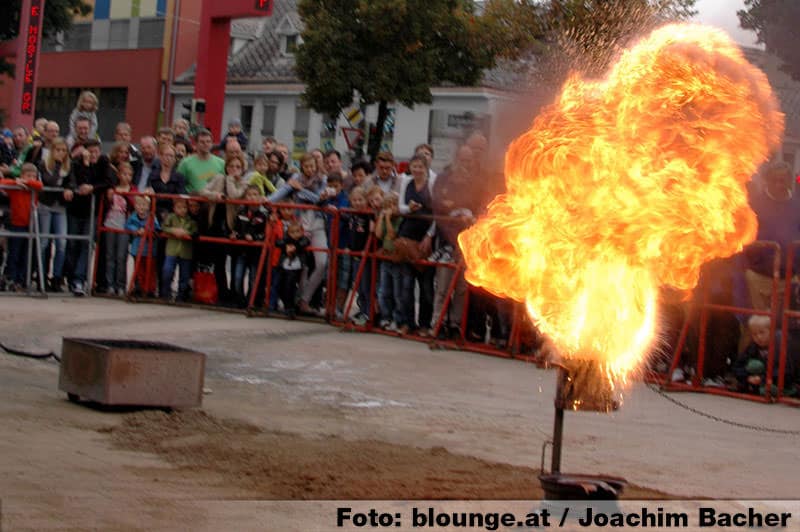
x=778, y=311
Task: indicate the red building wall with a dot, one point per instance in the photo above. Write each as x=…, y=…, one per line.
x=137, y=70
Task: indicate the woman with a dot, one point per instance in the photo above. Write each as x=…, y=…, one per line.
x=308, y=188
x=55, y=172
x=416, y=198
x=221, y=221
x=167, y=181
x=120, y=151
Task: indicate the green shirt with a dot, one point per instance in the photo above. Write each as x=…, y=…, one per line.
x=175, y=246
x=387, y=243
x=198, y=172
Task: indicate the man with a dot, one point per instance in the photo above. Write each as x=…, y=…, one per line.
x=83, y=126
x=288, y=169
x=41, y=144
x=91, y=176
x=202, y=165
x=426, y=150
x=150, y=163
x=166, y=137
x=124, y=133
x=333, y=165
x=268, y=144
x=385, y=176
x=39, y=125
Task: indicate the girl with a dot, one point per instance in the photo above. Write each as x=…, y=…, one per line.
x=55, y=172
x=86, y=107
x=116, y=244
x=307, y=188
x=390, y=271
x=221, y=220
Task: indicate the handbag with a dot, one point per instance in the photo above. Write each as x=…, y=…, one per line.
x=205, y=287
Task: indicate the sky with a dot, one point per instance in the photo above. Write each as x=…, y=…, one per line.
x=722, y=14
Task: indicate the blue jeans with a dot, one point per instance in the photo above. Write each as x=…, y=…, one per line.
x=244, y=264
x=184, y=274
x=53, y=220
x=116, y=254
x=78, y=250
x=404, y=288
x=386, y=294
x=17, y=263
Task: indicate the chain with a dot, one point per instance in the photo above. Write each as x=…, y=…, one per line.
x=757, y=428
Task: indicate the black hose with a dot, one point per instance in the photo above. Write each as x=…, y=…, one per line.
x=26, y=354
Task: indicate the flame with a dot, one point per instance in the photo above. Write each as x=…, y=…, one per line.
x=624, y=185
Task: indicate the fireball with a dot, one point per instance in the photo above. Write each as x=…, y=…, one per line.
x=624, y=185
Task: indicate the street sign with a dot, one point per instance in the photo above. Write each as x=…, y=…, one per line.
x=351, y=136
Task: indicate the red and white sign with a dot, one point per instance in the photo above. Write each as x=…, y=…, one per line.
x=351, y=136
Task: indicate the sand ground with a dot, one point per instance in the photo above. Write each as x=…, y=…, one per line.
x=302, y=411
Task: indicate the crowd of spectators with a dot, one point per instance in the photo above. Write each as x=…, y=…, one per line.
x=393, y=233
x=215, y=207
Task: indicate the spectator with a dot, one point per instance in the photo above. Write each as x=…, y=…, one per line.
x=144, y=282
x=275, y=160
x=307, y=188
x=250, y=226
x=234, y=132
x=180, y=127
x=258, y=177
x=359, y=227
x=167, y=181
x=333, y=165
x=337, y=199
x=150, y=163
x=750, y=368
x=21, y=147
x=20, y=199
x=116, y=244
x=200, y=167
x=120, y=153
x=360, y=174
x=319, y=158
x=221, y=221
x=293, y=260
x=85, y=108
x=165, y=136
x=81, y=134
x=288, y=170
x=385, y=176
x=414, y=235
x=182, y=149
x=390, y=272
x=91, y=177
x=124, y=133
x=268, y=144
x=41, y=142
x=39, y=126
x=55, y=172
x=180, y=226
x=278, y=227
x=426, y=150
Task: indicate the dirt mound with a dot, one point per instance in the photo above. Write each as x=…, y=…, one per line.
x=274, y=465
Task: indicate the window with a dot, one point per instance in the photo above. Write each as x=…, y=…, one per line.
x=151, y=32
x=301, y=120
x=118, y=34
x=246, y=116
x=290, y=45
x=268, y=121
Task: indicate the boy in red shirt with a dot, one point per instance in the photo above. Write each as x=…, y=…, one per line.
x=20, y=200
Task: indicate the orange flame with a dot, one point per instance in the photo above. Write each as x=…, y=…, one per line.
x=624, y=185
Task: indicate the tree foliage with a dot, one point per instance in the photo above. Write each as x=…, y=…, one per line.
x=386, y=51
x=58, y=15
x=582, y=35
x=776, y=24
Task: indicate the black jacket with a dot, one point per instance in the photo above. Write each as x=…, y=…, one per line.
x=100, y=175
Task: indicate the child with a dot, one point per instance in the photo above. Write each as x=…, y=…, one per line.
x=279, y=224
x=359, y=226
x=337, y=198
x=20, y=200
x=85, y=108
x=116, y=244
x=250, y=225
x=390, y=272
x=137, y=223
x=293, y=256
x=234, y=132
x=751, y=367
x=179, y=226
x=258, y=176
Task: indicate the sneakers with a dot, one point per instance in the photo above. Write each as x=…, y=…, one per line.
x=384, y=324
x=443, y=254
x=392, y=327
x=78, y=290
x=360, y=319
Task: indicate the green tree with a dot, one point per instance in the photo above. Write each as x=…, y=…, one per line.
x=582, y=35
x=387, y=51
x=58, y=15
x=775, y=23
